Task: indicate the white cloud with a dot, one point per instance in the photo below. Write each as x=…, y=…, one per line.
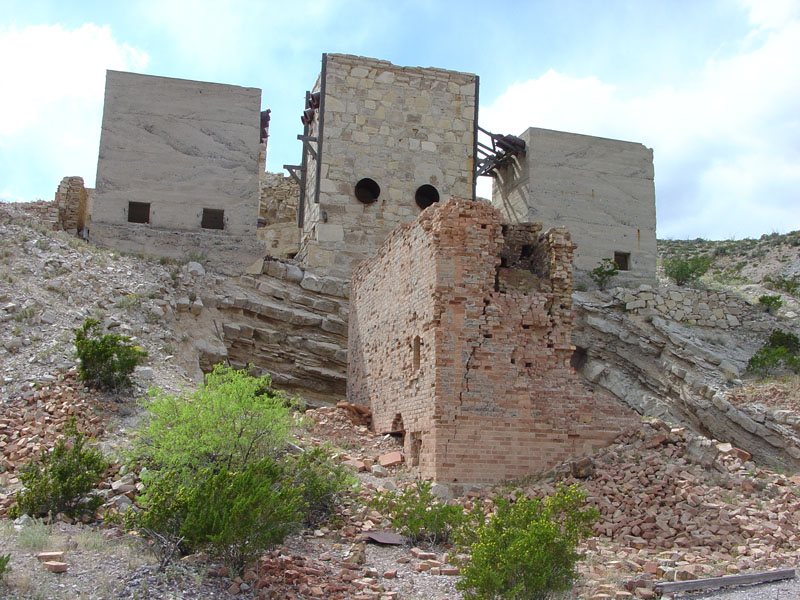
x=727, y=160
x=52, y=81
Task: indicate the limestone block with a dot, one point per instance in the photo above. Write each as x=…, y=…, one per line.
x=330, y=232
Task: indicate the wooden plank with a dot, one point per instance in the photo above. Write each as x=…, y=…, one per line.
x=728, y=580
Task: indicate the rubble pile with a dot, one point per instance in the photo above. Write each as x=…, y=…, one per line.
x=346, y=426
x=675, y=506
x=33, y=421
x=782, y=396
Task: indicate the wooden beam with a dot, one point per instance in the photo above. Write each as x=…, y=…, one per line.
x=728, y=580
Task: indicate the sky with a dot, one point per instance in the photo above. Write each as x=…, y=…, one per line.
x=712, y=86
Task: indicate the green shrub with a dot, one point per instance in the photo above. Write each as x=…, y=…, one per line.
x=4, y=568
x=603, y=272
x=687, y=271
x=784, y=339
x=790, y=285
x=771, y=303
x=527, y=550
x=230, y=422
x=781, y=352
x=419, y=515
x=322, y=481
x=106, y=361
x=217, y=475
x=59, y=480
x=237, y=515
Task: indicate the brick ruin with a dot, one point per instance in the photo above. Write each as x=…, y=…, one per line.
x=459, y=338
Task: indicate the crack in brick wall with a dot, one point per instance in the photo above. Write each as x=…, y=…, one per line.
x=493, y=396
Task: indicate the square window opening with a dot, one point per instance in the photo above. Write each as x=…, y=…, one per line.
x=138, y=212
x=623, y=260
x=213, y=218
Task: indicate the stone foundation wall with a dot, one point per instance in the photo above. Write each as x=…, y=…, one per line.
x=278, y=214
x=460, y=338
x=223, y=253
x=72, y=201
x=707, y=308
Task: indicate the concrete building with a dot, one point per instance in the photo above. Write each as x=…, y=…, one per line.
x=178, y=169
x=459, y=338
x=381, y=143
x=600, y=189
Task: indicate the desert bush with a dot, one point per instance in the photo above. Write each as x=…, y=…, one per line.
x=770, y=303
x=790, y=285
x=419, y=515
x=781, y=352
x=322, y=481
x=603, y=272
x=218, y=477
x=231, y=421
x=684, y=271
x=58, y=481
x=237, y=515
x=106, y=361
x=527, y=550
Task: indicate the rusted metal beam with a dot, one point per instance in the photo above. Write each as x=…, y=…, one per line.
x=727, y=581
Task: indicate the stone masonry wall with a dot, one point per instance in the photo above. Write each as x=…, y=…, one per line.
x=72, y=201
x=402, y=127
x=459, y=336
x=602, y=190
x=707, y=308
x=278, y=214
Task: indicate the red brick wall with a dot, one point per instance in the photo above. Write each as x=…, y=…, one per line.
x=493, y=396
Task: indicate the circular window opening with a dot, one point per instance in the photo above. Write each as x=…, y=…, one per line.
x=426, y=195
x=367, y=191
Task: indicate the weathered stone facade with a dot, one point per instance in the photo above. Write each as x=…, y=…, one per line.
x=404, y=135
x=177, y=172
x=600, y=189
x=72, y=200
x=277, y=225
x=459, y=336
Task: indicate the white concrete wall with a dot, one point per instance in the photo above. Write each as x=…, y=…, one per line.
x=600, y=189
x=182, y=146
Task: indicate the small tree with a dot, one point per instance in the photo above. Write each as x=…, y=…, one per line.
x=781, y=352
x=602, y=273
x=218, y=477
x=106, y=361
x=527, y=550
x=239, y=515
x=771, y=303
x=59, y=480
x=687, y=271
x=231, y=421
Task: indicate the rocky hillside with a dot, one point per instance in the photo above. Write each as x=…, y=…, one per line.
x=680, y=353
x=689, y=494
